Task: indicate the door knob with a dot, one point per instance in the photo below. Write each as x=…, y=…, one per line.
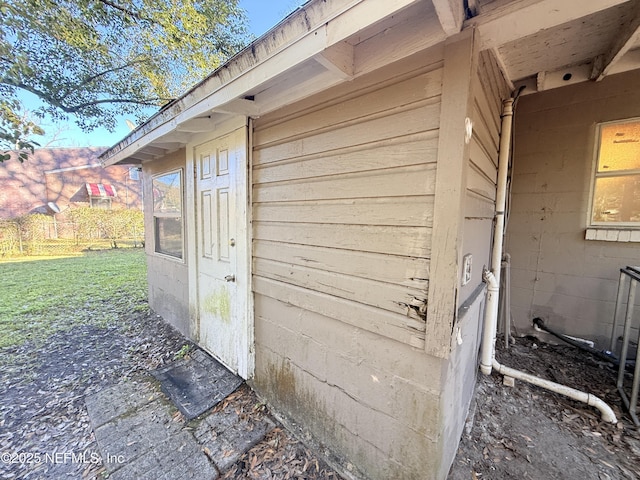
x=230, y=278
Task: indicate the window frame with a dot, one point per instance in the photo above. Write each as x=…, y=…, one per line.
x=104, y=203
x=594, y=226
x=156, y=214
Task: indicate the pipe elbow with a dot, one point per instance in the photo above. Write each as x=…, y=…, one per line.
x=490, y=279
x=606, y=411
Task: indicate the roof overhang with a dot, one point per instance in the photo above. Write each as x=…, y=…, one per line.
x=545, y=44
x=325, y=43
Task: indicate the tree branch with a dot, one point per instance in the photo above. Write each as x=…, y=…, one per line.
x=152, y=102
x=90, y=79
x=149, y=102
x=124, y=10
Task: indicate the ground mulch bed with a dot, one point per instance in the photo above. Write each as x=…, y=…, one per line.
x=527, y=432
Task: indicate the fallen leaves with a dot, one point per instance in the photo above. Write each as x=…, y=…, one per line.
x=528, y=432
x=280, y=457
x=56, y=377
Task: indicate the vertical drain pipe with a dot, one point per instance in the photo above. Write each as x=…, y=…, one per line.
x=507, y=300
x=488, y=360
x=491, y=309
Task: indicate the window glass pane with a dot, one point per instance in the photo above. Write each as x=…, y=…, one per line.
x=617, y=199
x=167, y=193
x=104, y=203
x=169, y=236
x=619, y=147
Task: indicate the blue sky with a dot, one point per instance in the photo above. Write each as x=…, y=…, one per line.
x=262, y=14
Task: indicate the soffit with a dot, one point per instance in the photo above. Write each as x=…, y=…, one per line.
x=572, y=43
x=545, y=44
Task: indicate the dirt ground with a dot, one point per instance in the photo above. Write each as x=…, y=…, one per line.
x=527, y=432
x=522, y=432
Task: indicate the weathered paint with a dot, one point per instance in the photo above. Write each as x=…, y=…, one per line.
x=352, y=179
x=218, y=222
x=341, y=296
x=218, y=303
x=168, y=277
x=348, y=182
x=340, y=386
x=489, y=88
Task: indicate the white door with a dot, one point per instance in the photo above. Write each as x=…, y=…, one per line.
x=220, y=194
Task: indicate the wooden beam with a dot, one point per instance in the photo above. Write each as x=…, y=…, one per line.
x=565, y=76
x=503, y=68
x=625, y=39
x=241, y=106
x=451, y=15
x=174, y=136
x=129, y=161
x=158, y=152
x=339, y=59
x=197, y=125
x=168, y=145
x=144, y=156
x=273, y=98
x=520, y=18
x=460, y=66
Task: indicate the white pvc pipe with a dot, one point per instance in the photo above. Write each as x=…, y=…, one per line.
x=507, y=300
x=589, y=399
x=491, y=309
x=487, y=352
x=492, y=278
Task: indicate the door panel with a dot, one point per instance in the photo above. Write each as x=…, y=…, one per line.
x=223, y=225
x=206, y=227
x=220, y=322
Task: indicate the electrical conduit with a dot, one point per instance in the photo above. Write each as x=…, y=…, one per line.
x=488, y=360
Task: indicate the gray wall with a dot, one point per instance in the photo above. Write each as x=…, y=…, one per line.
x=556, y=274
x=168, y=277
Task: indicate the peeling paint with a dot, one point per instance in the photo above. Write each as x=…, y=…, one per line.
x=218, y=304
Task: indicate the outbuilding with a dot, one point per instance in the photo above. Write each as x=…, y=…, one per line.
x=320, y=209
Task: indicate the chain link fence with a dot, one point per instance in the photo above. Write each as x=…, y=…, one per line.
x=74, y=231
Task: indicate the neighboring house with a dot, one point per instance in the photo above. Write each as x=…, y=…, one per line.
x=319, y=210
x=54, y=179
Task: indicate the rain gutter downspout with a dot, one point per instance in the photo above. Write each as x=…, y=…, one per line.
x=487, y=353
x=488, y=361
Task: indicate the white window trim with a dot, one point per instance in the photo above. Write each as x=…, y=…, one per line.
x=603, y=231
x=155, y=215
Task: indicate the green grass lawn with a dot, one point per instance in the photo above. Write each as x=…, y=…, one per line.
x=41, y=297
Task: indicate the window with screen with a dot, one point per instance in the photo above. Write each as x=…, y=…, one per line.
x=167, y=214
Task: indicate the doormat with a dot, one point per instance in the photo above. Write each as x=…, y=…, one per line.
x=197, y=383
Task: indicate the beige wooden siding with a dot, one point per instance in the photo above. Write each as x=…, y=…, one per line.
x=489, y=89
x=343, y=203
